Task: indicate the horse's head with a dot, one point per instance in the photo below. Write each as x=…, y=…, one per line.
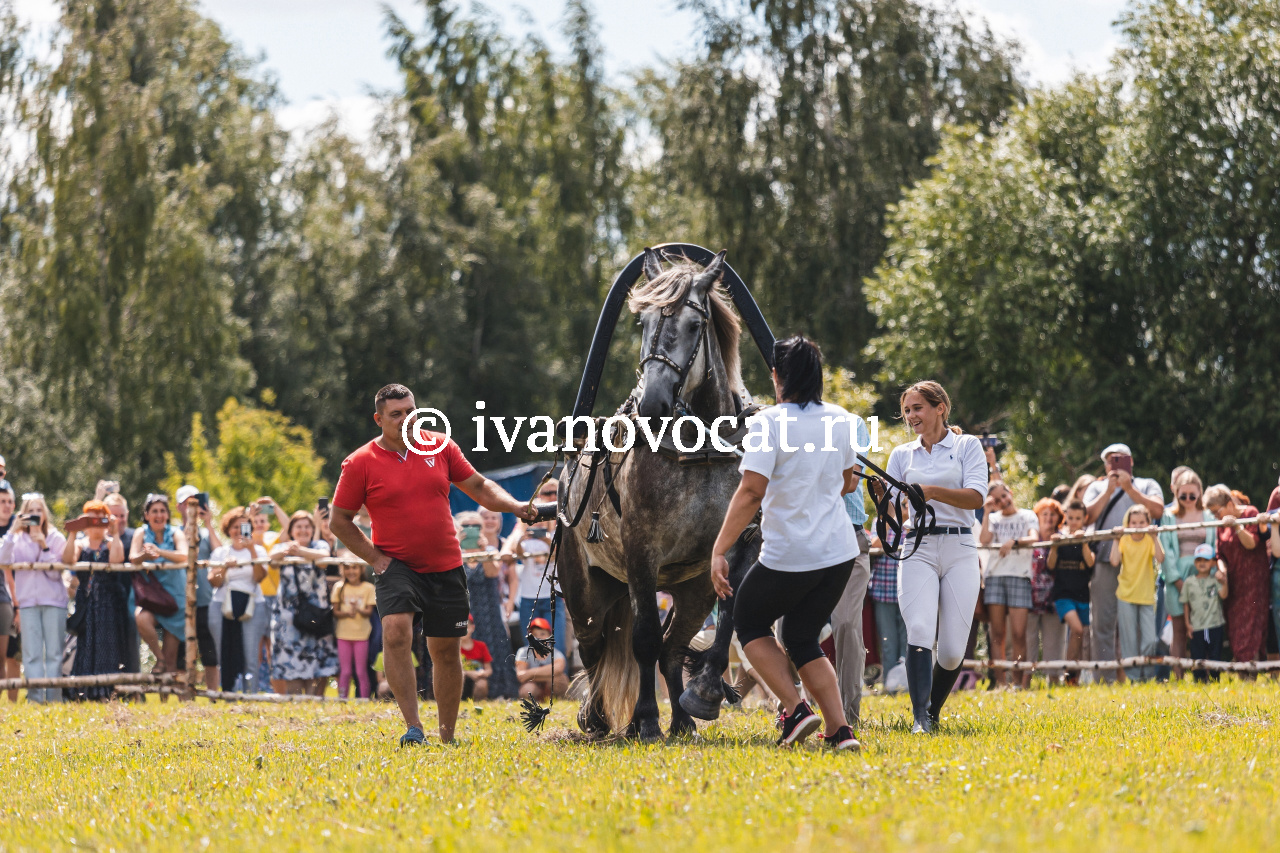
x=675, y=308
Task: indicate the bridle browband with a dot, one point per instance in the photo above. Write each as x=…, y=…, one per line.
x=681, y=371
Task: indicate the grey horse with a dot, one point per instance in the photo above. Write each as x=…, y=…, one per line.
x=670, y=510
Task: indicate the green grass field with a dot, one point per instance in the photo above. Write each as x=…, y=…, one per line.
x=1129, y=768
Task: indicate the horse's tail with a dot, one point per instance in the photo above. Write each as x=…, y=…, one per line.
x=616, y=678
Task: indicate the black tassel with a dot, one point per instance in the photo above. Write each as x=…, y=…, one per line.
x=731, y=695
x=533, y=715
x=692, y=660
x=594, y=533
x=541, y=647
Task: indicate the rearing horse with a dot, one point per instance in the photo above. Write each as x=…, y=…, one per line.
x=655, y=515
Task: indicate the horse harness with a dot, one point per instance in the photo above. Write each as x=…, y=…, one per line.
x=682, y=372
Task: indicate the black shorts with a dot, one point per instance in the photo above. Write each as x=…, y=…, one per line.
x=803, y=601
x=441, y=598
x=204, y=639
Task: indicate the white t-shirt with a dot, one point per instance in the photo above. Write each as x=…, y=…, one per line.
x=956, y=462
x=240, y=578
x=1006, y=527
x=532, y=567
x=805, y=526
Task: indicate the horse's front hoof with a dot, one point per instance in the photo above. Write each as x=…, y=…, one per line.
x=698, y=707
x=683, y=729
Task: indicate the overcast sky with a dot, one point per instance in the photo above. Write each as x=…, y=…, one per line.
x=329, y=54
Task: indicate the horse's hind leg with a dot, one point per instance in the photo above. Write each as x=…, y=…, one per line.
x=706, y=689
x=692, y=601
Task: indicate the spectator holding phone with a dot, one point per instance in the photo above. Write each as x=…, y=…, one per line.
x=353, y=600
x=39, y=596
x=301, y=660
x=198, y=526
x=530, y=544
x=119, y=508
x=160, y=542
x=1106, y=501
x=237, y=597
x=489, y=626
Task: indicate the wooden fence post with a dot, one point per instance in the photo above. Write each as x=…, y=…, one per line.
x=193, y=547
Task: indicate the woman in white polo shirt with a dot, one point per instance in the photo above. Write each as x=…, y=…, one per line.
x=938, y=585
x=797, y=462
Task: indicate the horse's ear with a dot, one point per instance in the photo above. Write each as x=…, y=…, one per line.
x=652, y=264
x=711, y=274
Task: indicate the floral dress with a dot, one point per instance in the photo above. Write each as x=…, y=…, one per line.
x=295, y=655
x=1248, y=585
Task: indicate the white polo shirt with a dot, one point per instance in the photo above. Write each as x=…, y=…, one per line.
x=956, y=462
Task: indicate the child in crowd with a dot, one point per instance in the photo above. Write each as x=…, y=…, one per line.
x=541, y=675
x=477, y=664
x=1202, y=596
x=1137, y=555
x=1072, y=568
x=353, y=598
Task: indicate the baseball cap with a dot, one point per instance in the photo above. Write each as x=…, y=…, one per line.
x=539, y=623
x=1122, y=449
x=2, y=462
x=1204, y=551
x=186, y=492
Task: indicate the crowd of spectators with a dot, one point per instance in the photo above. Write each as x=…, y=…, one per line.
x=307, y=627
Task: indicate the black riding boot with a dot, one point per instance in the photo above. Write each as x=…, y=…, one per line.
x=919, y=682
x=943, y=681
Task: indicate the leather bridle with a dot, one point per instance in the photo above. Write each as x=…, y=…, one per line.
x=681, y=371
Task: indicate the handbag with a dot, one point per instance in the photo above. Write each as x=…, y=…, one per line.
x=307, y=618
x=229, y=611
x=150, y=595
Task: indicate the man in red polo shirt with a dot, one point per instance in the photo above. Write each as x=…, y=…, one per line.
x=416, y=559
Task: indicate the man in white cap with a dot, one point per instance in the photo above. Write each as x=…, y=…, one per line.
x=1106, y=501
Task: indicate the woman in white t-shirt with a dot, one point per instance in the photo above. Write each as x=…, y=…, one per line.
x=1007, y=587
x=237, y=595
x=938, y=585
x=797, y=463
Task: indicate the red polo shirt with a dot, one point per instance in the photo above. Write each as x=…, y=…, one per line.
x=408, y=501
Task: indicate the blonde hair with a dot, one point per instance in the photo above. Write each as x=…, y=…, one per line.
x=935, y=395
x=1128, y=513
x=1182, y=478
x=31, y=505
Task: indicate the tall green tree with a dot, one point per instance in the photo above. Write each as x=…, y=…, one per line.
x=133, y=222
x=1102, y=269
x=797, y=123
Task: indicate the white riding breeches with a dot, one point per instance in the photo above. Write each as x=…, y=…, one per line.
x=938, y=588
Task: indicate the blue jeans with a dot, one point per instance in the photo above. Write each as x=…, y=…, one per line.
x=44, y=630
x=1275, y=594
x=531, y=607
x=893, y=635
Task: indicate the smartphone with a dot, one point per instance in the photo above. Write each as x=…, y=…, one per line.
x=1123, y=463
x=539, y=532
x=989, y=441
x=323, y=504
x=202, y=500
x=111, y=487
x=32, y=520
x=246, y=529
x=471, y=537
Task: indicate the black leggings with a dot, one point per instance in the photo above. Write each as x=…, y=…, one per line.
x=802, y=600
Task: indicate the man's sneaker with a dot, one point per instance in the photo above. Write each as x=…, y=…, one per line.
x=413, y=737
x=798, y=725
x=841, y=740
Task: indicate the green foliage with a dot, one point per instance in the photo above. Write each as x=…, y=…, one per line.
x=1113, y=768
x=259, y=452
x=1100, y=269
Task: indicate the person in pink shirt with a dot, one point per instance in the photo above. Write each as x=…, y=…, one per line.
x=40, y=597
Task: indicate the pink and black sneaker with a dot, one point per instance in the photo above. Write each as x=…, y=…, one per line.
x=798, y=725
x=841, y=740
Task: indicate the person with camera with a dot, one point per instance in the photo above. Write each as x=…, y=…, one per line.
x=40, y=597
x=1106, y=501
x=198, y=526
x=102, y=601
x=529, y=546
x=160, y=542
x=481, y=539
x=415, y=554
x=304, y=652
x=235, y=578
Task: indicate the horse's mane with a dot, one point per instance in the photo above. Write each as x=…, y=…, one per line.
x=672, y=286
